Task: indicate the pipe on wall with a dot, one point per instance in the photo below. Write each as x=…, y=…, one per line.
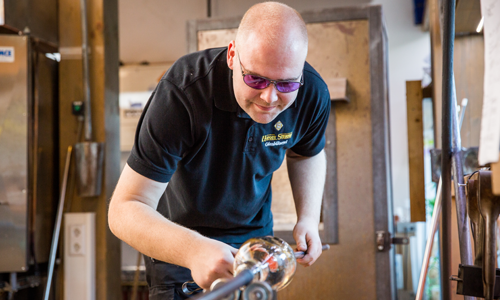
x=446, y=138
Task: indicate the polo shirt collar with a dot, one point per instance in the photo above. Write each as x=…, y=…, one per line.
x=223, y=86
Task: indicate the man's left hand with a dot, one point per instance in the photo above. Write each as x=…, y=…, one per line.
x=306, y=236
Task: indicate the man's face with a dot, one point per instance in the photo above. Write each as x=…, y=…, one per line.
x=264, y=105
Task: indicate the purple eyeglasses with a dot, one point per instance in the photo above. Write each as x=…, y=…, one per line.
x=260, y=82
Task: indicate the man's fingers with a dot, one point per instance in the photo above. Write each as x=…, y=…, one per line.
x=314, y=248
x=300, y=239
x=306, y=260
x=313, y=251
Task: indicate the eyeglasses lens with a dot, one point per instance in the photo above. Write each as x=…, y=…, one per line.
x=287, y=87
x=256, y=82
x=259, y=83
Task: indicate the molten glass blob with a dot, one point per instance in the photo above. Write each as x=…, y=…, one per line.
x=270, y=259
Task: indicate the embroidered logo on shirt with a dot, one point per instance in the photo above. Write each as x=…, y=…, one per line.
x=276, y=139
x=278, y=125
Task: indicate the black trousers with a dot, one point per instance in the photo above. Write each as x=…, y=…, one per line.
x=165, y=280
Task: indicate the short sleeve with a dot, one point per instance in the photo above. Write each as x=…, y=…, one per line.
x=316, y=112
x=164, y=133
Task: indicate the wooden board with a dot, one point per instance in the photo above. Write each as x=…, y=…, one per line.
x=337, y=88
x=495, y=177
x=414, y=117
x=437, y=68
x=467, y=16
x=468, y=64
x=215, y=38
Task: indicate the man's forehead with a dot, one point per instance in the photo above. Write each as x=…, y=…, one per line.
x=286, y=67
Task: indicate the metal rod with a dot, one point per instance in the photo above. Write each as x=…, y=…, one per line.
x=13, y=285
x=57, y=227
x=242, y=279
x=300, y=254
x=437, y=208
x=447, y=121
x=86, y=76
x=436, y=214
x=458, y=182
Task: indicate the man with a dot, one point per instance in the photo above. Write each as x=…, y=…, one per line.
x=198, y=181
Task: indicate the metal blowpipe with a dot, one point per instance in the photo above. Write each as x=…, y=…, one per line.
x=268, y=260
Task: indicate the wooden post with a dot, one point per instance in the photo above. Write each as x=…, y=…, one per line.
x=102, y=19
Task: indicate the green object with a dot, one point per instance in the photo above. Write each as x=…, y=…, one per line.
x=77, y=108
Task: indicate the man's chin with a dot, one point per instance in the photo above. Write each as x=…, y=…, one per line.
x=263, y=118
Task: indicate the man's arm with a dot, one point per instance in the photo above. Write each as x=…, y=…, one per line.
x=133, y=218
x=307, y=178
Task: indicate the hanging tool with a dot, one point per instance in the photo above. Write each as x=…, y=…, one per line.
x=89, y=155
x=489, y=206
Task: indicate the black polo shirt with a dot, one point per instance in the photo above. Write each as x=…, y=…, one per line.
x=217, y=160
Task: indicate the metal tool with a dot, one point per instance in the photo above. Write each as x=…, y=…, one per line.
x=268, y=263
x=89, y=155
x=219, y=283
x=258, y=291
x=190, y=287
x=489, y=206
x=242, y=279
x=459, y=185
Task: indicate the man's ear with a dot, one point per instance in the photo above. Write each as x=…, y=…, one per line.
x=231, y=54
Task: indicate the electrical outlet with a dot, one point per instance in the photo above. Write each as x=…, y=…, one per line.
x=77, y=240
x=79, y=256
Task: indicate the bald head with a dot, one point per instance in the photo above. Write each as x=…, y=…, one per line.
x=273, y=24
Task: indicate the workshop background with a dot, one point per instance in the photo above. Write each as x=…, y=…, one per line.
x=386, y=119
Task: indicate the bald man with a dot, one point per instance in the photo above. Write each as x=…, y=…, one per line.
x=197, y=183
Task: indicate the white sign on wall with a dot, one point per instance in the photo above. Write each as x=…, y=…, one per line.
x=6, y=54
x=135, y=100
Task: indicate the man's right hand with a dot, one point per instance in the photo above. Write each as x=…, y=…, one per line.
x=211, y=260
x=136, y=198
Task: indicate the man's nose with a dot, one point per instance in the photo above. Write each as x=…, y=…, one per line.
x=269, y=94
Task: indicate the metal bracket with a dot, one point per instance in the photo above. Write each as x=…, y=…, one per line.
x=469, y=158
x=384, y=240
x=470, y=283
